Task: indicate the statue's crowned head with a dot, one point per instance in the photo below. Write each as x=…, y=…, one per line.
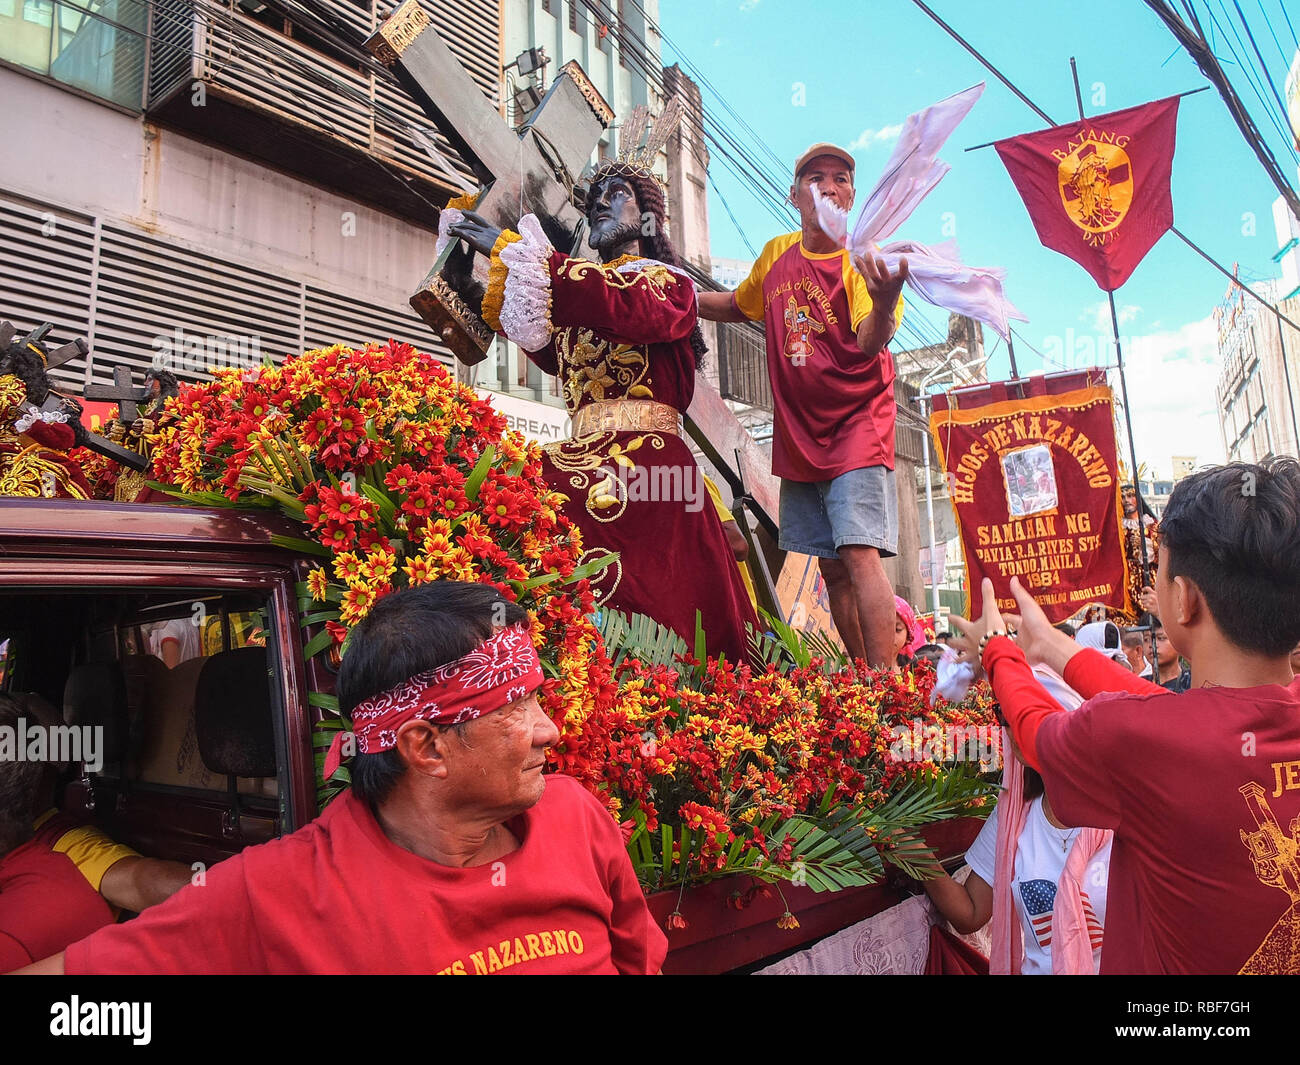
x=625, y=198
x=627, y=208
x=627, y=211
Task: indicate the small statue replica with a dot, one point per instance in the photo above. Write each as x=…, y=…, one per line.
x=37, y=427
x=134, y=426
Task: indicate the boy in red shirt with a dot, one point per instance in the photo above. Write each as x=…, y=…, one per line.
x=828, y=318
x=1202, y=789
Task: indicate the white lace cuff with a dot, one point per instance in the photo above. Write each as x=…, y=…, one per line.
x=526, y=307
x=49, y=417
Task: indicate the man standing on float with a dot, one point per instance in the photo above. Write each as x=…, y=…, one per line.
x=829, y=317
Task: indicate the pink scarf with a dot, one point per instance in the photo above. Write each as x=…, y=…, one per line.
x=1071, y=944
x=915, y=634
x=1007, y=946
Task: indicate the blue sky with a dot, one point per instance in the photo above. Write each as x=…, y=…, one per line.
x=866, y=65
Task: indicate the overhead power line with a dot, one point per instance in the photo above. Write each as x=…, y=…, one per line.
x=1193, y=39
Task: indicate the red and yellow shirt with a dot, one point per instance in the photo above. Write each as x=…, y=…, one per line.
x=45, y=904
x=834, y=406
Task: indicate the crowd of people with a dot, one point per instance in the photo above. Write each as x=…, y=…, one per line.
x=1143, y=830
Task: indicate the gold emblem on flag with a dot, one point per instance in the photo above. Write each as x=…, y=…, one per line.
x=1095, y=178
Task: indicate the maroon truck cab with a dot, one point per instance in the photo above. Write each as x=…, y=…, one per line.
x=169, y=638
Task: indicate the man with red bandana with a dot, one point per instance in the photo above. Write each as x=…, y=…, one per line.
x=452, y=854
x=829, y=317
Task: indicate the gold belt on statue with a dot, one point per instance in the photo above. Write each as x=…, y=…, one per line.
x=620, y=415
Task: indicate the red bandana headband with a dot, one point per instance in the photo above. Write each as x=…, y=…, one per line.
x=500, y=670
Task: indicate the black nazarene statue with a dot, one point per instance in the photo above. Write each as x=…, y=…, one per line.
x=622, y=336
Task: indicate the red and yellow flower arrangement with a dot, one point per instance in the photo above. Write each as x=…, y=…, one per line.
x=401, y=475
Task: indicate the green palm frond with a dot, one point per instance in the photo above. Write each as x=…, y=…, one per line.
x=321, y=738
x=821, y=644
x=828, y=854
x=786, y=640
x=923, y=800
x=931, y=797
x=764, y=650
x=795, y=648
x=641, y=637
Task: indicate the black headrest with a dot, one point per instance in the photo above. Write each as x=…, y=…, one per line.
x=95, y=695
x=232, y=714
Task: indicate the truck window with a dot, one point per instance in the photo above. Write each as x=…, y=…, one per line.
x=178, y=705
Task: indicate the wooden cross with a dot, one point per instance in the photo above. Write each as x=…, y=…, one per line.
x=123, y=392
x=534, y=170
x=530, y=170
x=33, y=341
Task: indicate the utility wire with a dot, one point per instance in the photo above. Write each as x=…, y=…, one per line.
x=703, y=79
x=1287, y=18
x=730, y=214
x=1263, y=66
x=739, y=159
x=1193, y=39
x=1269, y=23
x=1251, y=79
x=746, y=168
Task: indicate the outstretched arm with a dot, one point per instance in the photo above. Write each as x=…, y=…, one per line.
x=51, y=966
x=534, y=290
x=967, y=907
x=136, y=883
x=1086, y=671
x=1025, y=703
x=720, y=307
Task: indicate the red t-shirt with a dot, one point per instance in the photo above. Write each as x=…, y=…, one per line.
x=45, y=904
x=338, y=896
x=834, y=406
x=1202, y=790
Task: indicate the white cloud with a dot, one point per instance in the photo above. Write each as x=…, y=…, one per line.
x=749, y=5
x=1172, y=379
x=1098, y=315
x=869, y=137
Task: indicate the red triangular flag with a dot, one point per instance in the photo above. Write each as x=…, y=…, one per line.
x=1097, y=189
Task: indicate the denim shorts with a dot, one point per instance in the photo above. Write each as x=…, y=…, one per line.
x=858, y=507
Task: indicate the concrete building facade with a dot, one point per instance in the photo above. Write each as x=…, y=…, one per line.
x=219, y=178
x=1258, y=386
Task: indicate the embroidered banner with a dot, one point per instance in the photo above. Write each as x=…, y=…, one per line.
x=1097, y=189
x=1034, y=485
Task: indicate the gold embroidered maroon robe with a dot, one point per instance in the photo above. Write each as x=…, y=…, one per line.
x=617, y=336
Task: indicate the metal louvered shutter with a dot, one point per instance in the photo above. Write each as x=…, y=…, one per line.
x=227, y=313
x=174, y=31
x=335, y=319
x=47, y=267
x=140, y=300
